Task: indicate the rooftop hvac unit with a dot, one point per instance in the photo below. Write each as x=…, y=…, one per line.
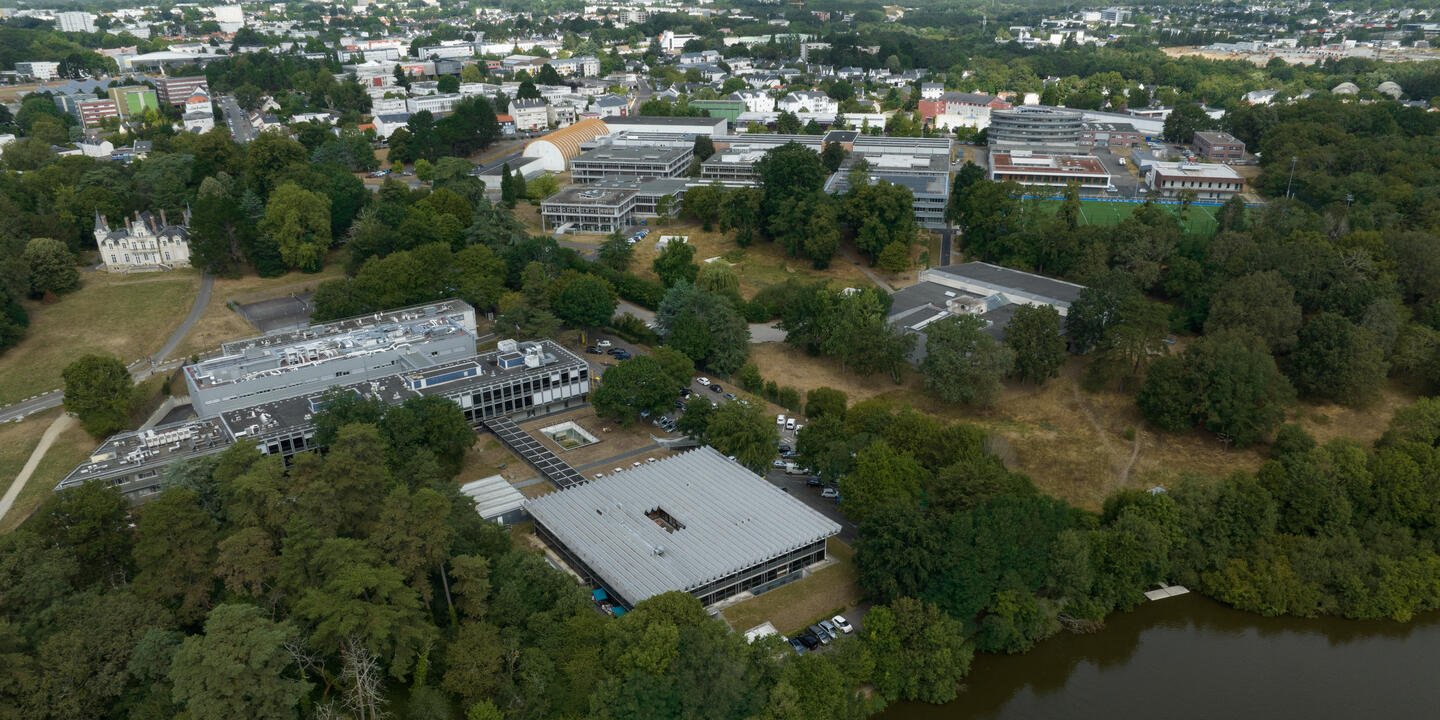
x=533, y=357
x=507, y=346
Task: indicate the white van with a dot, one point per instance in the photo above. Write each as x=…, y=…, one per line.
x=790, y=424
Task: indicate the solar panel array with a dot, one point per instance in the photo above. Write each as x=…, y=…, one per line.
x=530, y=450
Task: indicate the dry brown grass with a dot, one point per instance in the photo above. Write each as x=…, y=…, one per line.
x=614, y=438
x=488, y=456
x=788, y=366
x=71, y=448
x=791, y=608
x=17, y=441
x=1365, y=425
x=128, y=316
x=537, y=490
x=219, y=324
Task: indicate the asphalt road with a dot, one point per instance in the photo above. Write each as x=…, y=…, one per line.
x=237, y=120
x=140, y=369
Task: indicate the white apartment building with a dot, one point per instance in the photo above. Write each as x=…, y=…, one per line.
x=581, y=66
x=146, y=242
x=75, y=21
x=757, y=101
x=530, y=114
x=433, y=103
x=38, y=70
x=808, y=102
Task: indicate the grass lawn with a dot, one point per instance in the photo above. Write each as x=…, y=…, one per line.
x=793, y=607
x=220, y=324
x=127, y=316
x=1198, y=219
x=70, y=449
x=18, y=440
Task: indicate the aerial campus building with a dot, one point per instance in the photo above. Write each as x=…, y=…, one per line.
x=1036, y=126
x=266, y=390
x=697, y=522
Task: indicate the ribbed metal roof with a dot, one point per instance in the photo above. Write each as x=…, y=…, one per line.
x=732, y=519
x=494, y=496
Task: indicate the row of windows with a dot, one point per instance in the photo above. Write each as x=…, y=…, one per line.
x=114, y=261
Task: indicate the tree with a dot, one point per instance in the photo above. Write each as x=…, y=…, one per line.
x=678, y=366
x=447, y=84
x=1335, y=359
x=175, y=552
x=881, y=214
x=791, y=170
x=676, y=262
x=635, y=388
x=1228, y=383
x=706, y=327
x=745, y=432
x=219, y=229
x=52, y=267
x=298, y=222
x=920, y=652
x=704, y=148
x=1185, y=118
x=807, y=225
x=962, y=363
x=787, y=124
x=98, y=389
x=825, y=402
x=238, y=668
x=1035, y=337
x=474, y=662
x=882, y=477
x=1097, y=308
x=616, y=251
x=1262, y=303
x=705, y=204
x=833, y=156
x=583, y=300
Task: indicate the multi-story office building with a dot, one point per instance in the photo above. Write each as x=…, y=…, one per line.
x=175, y=90
x=1219, y=147
x=588, y=209
x=434, y=103
x=1035, y=126
x=609, y=163
x=90, y=111
x=1207, y=181
x=1048, y=170
x=75, y=21
x=274, y=367
x=1111, y=134
x=37, y=70
x=519, y=379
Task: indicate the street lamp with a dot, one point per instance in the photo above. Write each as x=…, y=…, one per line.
x=1291, y=182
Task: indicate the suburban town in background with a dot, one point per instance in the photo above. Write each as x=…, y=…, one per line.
x=737, y=359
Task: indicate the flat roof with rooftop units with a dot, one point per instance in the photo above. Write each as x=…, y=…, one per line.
x=281, y=365
x=697, y=522
x=522, y=379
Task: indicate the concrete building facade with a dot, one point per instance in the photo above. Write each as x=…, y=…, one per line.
x=608, y=163
x=1221, y=147
x=1035, y=126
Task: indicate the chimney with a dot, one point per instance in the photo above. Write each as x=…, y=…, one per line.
x=162, y=218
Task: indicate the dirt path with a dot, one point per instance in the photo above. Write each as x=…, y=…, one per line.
x=60, y=425
x=1122, y=474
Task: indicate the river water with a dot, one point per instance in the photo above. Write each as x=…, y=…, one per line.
x=1190, y=657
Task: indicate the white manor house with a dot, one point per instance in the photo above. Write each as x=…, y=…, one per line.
x=146, y=242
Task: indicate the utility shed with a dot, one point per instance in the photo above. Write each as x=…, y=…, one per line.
x=696, y=522
x=496, y=499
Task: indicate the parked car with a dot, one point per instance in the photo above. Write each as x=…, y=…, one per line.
x=799, y=646
x=613, y=350
x=704, y=381
x=842, y=624
x=603, y=343
x=777, y=463
x=829, y=627
x=830, y=492
x=729, y=396
x=621, y=354
x=780, y=419
x=684, y=392
x=809, y=641
x=790, y=424
x=715, y=388
x=594, y=350
x=820, y=634
x=813, y=481
x=679, y=404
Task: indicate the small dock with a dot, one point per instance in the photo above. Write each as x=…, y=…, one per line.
x=1168, y=591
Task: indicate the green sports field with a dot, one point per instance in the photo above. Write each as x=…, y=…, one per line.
x=1198, y=219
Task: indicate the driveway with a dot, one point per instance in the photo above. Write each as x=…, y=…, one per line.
x=759, y=332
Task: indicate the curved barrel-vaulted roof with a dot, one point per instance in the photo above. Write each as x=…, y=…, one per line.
x=556, y=149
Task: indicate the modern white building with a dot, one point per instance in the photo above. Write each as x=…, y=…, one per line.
x=146, y=242
x=37, y=70
x=75, y=21
x=756, y=101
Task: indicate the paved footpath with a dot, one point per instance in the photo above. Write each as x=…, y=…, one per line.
x=60, y=425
